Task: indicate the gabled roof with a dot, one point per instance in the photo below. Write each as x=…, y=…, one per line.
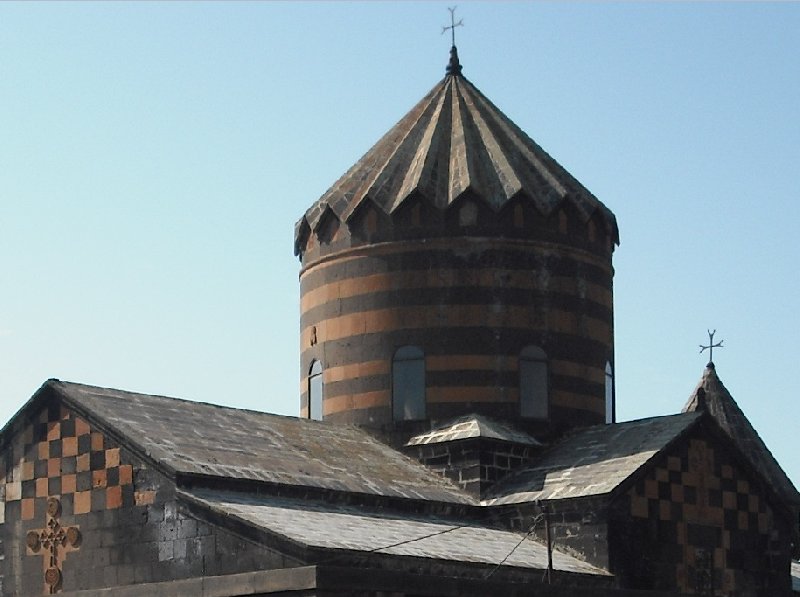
x=352, y=528
x=453, y=141
x=473, y=426
x=193, y=438
x=593, y=461
x=719, y=403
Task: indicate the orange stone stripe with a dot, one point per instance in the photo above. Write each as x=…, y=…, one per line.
x=348, y=402
x=446, y=278
x=426, y=317
x=577, y=401
x=560, y=367
x=356, y=370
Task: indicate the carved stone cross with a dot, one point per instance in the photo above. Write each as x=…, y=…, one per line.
x=53, y=542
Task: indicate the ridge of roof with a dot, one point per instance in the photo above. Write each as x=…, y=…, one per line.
x=472, y=426
x=453, y=141
x=204, y=440
x=719, y=403
x=592, y=461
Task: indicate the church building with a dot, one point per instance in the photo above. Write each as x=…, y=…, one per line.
x=456, y=432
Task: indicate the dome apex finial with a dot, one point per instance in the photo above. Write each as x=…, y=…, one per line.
x=453, y=67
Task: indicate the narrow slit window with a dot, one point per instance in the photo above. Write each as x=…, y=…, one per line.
x=533, y=386
x=408, y=384
x=609, y=393
x=315, y=391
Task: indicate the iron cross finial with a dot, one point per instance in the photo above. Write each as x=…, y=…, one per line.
x=453, y=24
x=711, y=346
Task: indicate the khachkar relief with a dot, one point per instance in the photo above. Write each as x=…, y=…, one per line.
x=53, y=543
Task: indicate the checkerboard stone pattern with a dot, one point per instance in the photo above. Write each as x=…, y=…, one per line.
x=712, y=524
x=60, y=455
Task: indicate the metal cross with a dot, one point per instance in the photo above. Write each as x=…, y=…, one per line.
x=53, y=542
x=453, y=24
x=711, y=346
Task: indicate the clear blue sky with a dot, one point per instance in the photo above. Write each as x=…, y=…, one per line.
x=154, y=158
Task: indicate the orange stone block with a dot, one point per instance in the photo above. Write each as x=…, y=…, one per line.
x=144, y=498
x=82, y=463
x=81, y=427
x=13, y=491
x=97, y=441
x=99, y=479
x=83, y=502
x=53, y=467
x=729, y=500
x=27, y=471
x=28, y=510
x=69, y=446
x=114, y=497
x=112, y=457
x=44, y=450
x=68, y=484
x=53, y=431
x=639, y=507
x=42, y=488
x=125, y=474
x=744, y=521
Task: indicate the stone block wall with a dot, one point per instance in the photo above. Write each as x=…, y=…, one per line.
x=474, y=463
x=82, y=512
x=578, y=527
x=699, y=523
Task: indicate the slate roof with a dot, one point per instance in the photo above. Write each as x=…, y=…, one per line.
x=723, y=408
x=454, y=140
x=472, y=426
x=352, y=528
x=204, y=439
x=593, y=461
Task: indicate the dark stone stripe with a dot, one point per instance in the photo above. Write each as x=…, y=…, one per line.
x=576, y=385
x=358, y=385
x=462, y=340
x=560, y=418
x=459, y=295
x=531, y=260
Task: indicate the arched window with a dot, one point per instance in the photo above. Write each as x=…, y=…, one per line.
x=533, y=399
x=315, y=391
x=609, y=393
x=408, y=384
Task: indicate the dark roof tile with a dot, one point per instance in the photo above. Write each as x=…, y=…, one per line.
x=203, y=439
x=593, y=461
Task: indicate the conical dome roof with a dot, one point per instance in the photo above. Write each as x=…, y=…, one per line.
x=453, y=141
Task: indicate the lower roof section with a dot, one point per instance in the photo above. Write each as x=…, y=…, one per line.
x=343, y=529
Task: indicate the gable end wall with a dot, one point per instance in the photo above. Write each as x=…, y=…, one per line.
x=130, y=526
